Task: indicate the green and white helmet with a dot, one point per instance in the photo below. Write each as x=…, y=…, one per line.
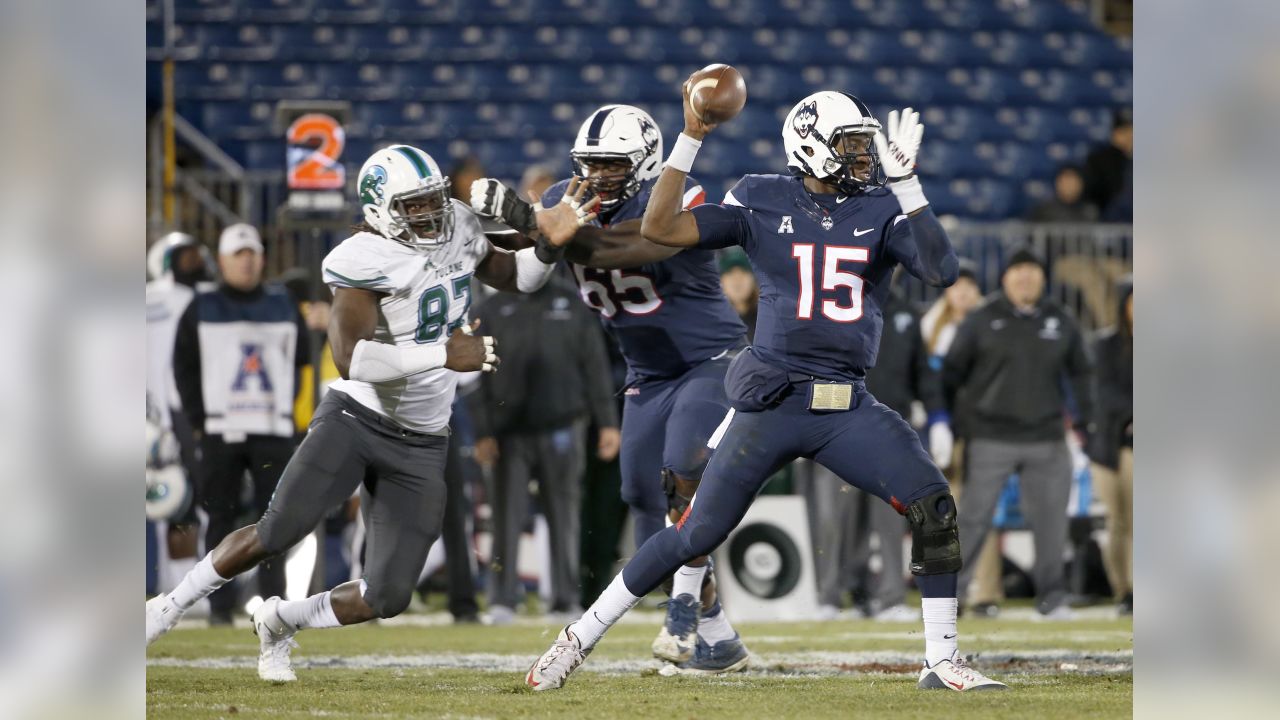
x=406, y=198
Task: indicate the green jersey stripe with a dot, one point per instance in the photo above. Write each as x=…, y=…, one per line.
x=357, y=283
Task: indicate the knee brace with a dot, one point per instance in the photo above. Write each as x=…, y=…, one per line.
x=935, y=539
x=679, y=491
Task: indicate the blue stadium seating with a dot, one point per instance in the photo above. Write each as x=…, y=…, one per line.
x=282, y=81
x=1010, y=89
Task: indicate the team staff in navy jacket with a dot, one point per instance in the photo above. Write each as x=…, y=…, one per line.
x=236, y=359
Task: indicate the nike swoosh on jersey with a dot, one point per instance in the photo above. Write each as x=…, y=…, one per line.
x=860, y=233
x=841, y=199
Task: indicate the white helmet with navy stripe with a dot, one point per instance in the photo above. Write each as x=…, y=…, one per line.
x=405, y=197
x=811, y=135
x=618, y=133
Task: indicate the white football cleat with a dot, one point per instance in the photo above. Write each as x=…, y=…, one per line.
x=954, y=674
x=162, y=616
x=553, y=668
x=275, y=638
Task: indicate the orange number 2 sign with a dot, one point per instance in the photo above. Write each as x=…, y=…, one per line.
x=311, y=167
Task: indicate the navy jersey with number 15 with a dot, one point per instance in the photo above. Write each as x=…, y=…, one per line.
x=668, y=316
x=823, y=272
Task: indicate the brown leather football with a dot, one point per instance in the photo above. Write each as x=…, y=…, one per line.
x=717, y=93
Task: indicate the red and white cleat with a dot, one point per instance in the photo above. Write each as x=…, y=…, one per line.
x=556, y=664
x=954, y=674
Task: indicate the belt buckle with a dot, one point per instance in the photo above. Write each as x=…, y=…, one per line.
x=830, y=396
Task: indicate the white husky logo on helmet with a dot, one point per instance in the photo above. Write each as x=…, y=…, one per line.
x=805, y=118
x=649, y=133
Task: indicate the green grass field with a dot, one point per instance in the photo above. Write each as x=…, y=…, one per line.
x=417, y=668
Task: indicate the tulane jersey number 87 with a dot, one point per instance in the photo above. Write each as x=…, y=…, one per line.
x=433, y=309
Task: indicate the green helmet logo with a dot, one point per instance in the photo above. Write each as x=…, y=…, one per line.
x=371, y=185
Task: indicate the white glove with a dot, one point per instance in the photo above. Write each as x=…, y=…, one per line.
x=898, y=157
x=941, y=444
x=487, y=196
x=491, y=199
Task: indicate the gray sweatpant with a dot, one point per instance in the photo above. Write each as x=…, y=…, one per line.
x=842, y=519
x=1044, y=483
x=556, y=459
x=402, y=494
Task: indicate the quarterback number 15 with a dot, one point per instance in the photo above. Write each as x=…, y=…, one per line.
x=833, y=278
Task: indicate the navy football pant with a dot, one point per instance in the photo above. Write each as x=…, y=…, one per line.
x=665, y=426
x=870, y=447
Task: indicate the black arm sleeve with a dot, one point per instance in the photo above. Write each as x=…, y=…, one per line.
x=596, y=372
x=186, y=366
x=921, y=244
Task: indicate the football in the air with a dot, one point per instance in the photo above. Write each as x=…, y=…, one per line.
x=717, y=93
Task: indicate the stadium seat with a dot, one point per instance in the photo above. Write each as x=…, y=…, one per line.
x=200, y=11
x=496, y=12
x=358, y=82
x=1049, y=15
x=238, y=120
x=945, y=49
x=393, y=43
x=281, y=81
x=1023, y=50
x=422, y=12
x=1009, y=89
x=238, y=43
x=315, y=43
x=274, y=11
x=1090, y=123
x=1091, y=50
x=347, y=12
x=560, y=13
x=215, y=81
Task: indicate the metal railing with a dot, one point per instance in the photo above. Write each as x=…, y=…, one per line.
x=1084, y=261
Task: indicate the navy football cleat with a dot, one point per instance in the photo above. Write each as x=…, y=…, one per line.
x=725, y=656
x=679, y=635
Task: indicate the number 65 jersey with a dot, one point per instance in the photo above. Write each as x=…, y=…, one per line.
x=426, y=296
x=667, y=316
x=824, y=267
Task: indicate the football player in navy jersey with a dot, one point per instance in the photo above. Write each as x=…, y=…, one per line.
x=677, y=333
x=824, y=240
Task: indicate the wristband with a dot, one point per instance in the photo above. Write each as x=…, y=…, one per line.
x=682, y=155
x=909, y=193
x=546, y=252
x=531, y=271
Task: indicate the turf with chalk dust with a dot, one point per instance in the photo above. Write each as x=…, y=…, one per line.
x=414, y=668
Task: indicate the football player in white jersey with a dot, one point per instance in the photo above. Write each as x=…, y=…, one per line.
x=400, y=335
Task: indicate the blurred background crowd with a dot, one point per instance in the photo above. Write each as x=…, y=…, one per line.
x=1018, y=377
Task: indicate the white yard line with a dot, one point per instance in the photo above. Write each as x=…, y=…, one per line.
x=805, y=664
